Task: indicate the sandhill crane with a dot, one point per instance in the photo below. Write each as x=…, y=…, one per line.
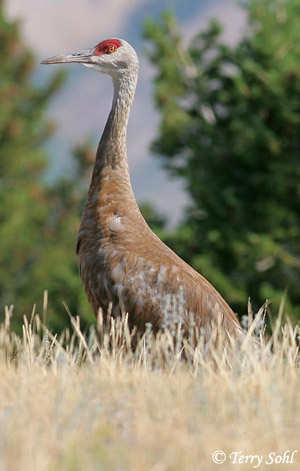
x=121, y=261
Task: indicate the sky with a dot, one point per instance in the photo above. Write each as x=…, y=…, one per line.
x=80, y=109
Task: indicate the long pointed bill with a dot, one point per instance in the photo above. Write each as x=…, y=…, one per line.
x=79, y=57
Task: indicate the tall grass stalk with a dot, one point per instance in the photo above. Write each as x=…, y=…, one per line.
x=108, y=399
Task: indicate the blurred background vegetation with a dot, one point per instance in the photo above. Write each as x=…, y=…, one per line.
x=230, y=129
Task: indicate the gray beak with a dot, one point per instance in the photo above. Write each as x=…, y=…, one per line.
x=78, y=57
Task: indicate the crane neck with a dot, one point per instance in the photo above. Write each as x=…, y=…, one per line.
x=112, y=149
x=110, y=189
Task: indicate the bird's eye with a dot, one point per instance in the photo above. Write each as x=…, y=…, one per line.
x=110, y=49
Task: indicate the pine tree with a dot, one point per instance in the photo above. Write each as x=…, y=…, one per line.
x=230, y=127
x=38, y=224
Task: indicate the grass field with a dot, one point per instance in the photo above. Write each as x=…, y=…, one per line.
x=88, y=402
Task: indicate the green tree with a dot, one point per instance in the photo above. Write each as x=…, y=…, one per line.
x=230, y=127
x=56, y=267
x=38, y=224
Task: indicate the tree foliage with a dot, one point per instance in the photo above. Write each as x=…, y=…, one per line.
x=38, y=223
x=230, y=127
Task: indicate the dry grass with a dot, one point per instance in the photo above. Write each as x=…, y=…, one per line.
x=91, y=403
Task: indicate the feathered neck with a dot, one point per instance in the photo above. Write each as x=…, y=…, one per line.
x=112, y=148
x=110, y=189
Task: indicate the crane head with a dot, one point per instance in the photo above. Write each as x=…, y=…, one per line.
x=111, y=56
